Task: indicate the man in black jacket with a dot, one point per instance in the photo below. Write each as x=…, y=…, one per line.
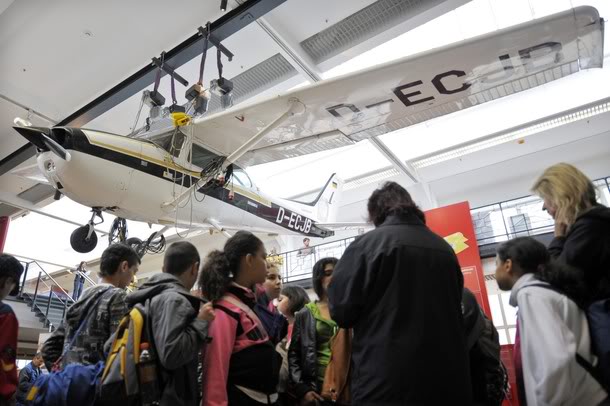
x=400, y=288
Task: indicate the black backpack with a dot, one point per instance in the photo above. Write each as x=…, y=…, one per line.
x=489, y=377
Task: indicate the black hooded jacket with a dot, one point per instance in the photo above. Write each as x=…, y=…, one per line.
x=587, y=246
x=400, y=288
x=178, y=335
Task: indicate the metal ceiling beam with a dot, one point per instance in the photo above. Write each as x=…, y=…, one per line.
x=227, y=25
x=301, y=62
x=399, y=164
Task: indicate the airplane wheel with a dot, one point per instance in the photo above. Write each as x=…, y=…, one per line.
x=137, y=245
x=80, y=242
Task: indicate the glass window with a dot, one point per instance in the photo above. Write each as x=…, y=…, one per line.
x=509, y=312
x=512, y=332
x=171, y=141
x=242, y=178
x=201, y=156
x=503, y=337
x=496, y=310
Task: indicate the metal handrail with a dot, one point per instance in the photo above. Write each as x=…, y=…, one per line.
x=55, y=293
x=51, y=278
x=49, y=300
x=87, y=278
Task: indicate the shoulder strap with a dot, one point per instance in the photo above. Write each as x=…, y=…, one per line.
x=245, y=308
x=586, y=365
x=592, y=370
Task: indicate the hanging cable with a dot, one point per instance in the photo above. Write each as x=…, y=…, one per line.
x=134, y=129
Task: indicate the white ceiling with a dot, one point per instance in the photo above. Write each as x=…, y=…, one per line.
x=58, y=56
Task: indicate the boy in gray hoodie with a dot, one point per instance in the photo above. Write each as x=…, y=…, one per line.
x=179, y=322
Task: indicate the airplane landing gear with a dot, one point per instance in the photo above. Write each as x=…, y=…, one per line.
x=84, y=239
x=154, y=245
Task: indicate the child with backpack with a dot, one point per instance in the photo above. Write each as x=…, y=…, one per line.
x=241, y=366
x=10, y=272
x=553, y=356
x=178, y=326
x=91, y=321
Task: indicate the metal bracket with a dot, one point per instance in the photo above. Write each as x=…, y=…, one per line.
x=168, y=69
x=214, y=41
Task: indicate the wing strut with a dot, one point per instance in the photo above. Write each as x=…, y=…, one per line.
x=295, y=108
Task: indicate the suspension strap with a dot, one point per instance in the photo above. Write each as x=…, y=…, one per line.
x=206, y=41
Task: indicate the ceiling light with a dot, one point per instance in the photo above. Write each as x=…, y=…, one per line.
x=512, y=135
x=223, y=5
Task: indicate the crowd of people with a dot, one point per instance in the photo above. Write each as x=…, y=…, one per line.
x=391, y=323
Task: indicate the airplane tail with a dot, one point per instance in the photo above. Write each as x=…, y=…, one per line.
x=325, y=206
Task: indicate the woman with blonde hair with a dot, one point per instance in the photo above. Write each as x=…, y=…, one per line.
x=582, y=240
x=582, y=226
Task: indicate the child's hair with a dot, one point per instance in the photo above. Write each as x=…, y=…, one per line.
x=297, y=296
x=10, y=269
x=531, y=256
x=220, y=267
x=114, y=255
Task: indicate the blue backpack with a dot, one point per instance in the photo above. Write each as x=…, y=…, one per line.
x=76, y=384
x=598, y=316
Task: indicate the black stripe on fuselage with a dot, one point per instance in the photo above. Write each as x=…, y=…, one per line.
x=280, y=216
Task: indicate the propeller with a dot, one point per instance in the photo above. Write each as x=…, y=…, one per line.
x=38, y=136
x=55, y=148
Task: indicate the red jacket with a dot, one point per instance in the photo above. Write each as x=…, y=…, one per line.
x=9, y=327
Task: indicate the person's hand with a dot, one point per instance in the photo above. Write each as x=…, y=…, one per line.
x=311, y=398
x=206, y=312
x=561, y=229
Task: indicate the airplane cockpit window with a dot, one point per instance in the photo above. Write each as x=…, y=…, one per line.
x=201, y=157
x=242, y=178
x=171, y=142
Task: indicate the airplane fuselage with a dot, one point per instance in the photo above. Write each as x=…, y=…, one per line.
x=134, y=179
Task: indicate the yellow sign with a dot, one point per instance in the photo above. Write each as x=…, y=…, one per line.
x=457, y=242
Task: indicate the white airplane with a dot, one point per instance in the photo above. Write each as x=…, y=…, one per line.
x=189, y=176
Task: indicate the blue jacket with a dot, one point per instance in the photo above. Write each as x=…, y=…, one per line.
x=27, y=377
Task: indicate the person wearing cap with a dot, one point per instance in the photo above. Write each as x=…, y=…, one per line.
x=10, y=273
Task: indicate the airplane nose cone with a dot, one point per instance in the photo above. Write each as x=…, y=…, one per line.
x=33, y=135
x=43, y=139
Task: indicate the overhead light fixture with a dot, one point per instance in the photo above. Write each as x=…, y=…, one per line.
x=223, y=5
x=367, y=179
x=512, y=135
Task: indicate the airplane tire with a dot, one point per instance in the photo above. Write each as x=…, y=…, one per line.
x=80, y=242
x=137, y=246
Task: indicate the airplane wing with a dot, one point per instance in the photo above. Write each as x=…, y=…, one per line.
x=411, y=90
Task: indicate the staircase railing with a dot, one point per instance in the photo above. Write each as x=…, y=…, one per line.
x=44, y=291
